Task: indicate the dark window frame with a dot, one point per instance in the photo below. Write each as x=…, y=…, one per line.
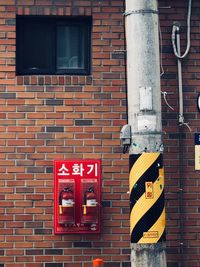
x=52, y=23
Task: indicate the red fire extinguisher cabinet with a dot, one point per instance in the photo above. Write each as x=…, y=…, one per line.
x=77, y=196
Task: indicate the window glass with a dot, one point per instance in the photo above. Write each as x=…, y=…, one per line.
x=36, y=52
x=70, y=47
x=53, y=45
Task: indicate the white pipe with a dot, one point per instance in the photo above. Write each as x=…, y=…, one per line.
x=176, y=28
x=180, y=84
x=177, y=51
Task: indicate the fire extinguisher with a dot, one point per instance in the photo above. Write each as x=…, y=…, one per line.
x=89, y=199
x=66, y=199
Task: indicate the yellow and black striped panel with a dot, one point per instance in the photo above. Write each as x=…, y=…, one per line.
x=146, y=186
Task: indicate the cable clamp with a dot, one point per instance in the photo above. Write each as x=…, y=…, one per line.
x=140, y=11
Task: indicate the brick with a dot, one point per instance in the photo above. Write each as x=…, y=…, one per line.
x=55, y=129
x=25, y=95
x=33, y=224
x=73, y=88
x=83, y=122
x=25, y=2
x=34, y=252
x=53, y=265
x=8, y=95
x=53, y=251
x=42, y=231
x=82, y=244
x=55, y=102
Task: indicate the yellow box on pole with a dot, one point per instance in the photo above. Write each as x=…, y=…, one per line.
x=146, y=181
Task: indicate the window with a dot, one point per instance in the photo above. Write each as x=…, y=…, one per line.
x=53, y=45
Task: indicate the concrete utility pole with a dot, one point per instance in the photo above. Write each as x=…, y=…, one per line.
x=147, y=216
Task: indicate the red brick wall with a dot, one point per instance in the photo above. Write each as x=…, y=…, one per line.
x=56, y=117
